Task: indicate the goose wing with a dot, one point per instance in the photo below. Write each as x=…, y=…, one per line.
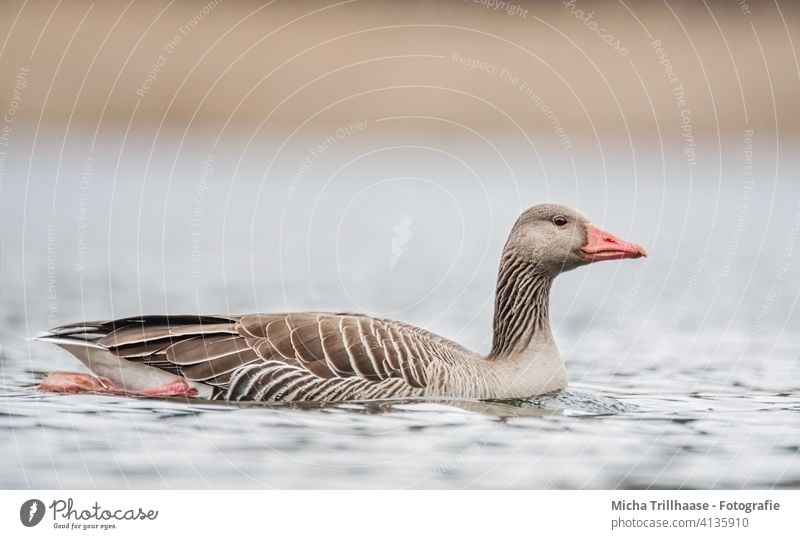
x=295, y=356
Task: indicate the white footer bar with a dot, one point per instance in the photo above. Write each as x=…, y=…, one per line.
x=401, y=514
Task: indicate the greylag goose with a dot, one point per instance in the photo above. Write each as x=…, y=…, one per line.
x=334, y=357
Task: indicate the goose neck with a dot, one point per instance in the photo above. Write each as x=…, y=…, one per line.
x=522, y=305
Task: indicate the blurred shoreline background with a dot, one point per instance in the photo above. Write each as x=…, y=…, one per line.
x=610, y=68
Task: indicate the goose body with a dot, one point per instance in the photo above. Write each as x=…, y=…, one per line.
x=311, y=356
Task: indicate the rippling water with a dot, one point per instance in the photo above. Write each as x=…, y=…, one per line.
x=684, y=367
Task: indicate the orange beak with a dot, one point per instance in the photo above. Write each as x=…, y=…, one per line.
x=601, y=245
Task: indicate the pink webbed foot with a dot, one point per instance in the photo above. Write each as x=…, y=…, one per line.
x=177, y=388
x=78, y=382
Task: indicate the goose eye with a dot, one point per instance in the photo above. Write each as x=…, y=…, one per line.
x=559, y=220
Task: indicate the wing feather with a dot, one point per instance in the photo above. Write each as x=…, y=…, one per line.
x=359, y=359
x=336, y=355
x=278, y=333
x=137, y=334
x=205, y=349
x=305, y=338
x=219, y=365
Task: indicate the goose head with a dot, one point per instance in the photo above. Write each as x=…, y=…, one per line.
x=555, y=238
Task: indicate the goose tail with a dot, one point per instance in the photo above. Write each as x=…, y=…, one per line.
x=82, y=334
